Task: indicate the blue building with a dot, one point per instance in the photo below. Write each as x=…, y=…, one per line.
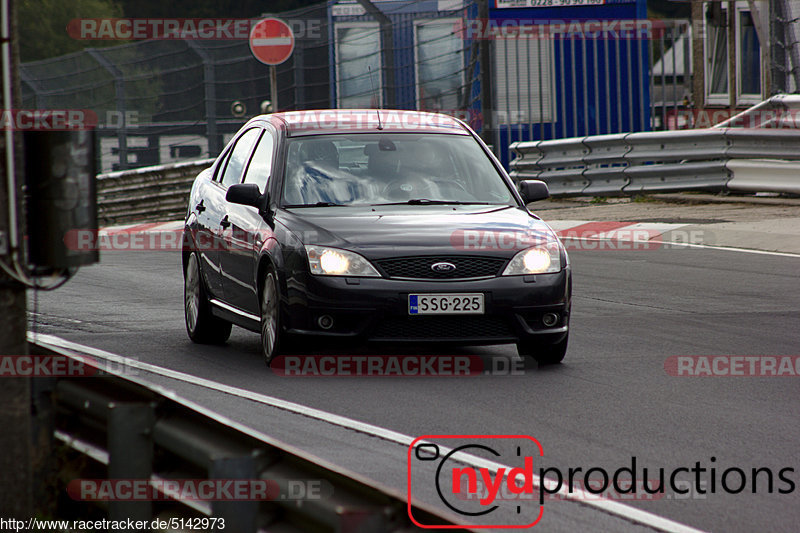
x=559, y=68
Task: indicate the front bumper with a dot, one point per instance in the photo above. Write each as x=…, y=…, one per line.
x=376, y=309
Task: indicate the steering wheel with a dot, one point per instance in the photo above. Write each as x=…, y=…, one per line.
x=407, y=188
x=451, y=182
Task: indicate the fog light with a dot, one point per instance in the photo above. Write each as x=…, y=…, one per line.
x=550, y=319
x=325, y=321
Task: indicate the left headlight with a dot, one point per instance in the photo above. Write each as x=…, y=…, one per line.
x=540, y=259
x=325, y=261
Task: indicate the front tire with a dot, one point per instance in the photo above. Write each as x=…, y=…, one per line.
x=544, y=354
x=271, y=337
x=201, y=325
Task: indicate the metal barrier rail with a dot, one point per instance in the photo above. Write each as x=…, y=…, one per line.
x=663, y=161
x=153, y=193
x=131, y=430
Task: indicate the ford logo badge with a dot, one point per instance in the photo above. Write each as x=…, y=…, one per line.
x=443, y=267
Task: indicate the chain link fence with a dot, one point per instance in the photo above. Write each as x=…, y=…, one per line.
x=165, y=100
x=161, y=101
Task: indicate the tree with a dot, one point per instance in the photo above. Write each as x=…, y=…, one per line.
x=42, y=25
x=209, y=8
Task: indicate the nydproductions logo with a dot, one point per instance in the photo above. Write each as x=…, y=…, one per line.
x=481, y=489
x=471, y=478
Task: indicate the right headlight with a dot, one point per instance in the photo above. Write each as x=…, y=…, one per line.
x=541, y=259
x=325, y=261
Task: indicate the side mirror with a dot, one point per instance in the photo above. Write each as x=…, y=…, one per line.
x=533, y=191
x=244, y=194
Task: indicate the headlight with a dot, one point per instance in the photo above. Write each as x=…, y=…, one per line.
x=535, y=260
x=325, y=261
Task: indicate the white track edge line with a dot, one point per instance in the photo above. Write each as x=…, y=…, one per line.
x=684, y=244
x=90, y=356
x=578, y=495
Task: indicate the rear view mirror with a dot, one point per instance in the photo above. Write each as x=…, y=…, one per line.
x=533, y=191
x=244, y=194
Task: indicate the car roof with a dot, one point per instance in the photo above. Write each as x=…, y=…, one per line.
x=325, y=121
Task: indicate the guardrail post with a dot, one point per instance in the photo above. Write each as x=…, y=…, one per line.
x=130, y=451
x=240, y=516
x=42, y=424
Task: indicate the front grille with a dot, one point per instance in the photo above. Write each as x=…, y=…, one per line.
x=420, y=267
x=443, y=327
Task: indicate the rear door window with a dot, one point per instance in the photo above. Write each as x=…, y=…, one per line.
x=260, y=168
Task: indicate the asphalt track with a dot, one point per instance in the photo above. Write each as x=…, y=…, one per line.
x=609, y=401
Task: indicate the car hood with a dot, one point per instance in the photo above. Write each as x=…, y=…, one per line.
x=385, y=231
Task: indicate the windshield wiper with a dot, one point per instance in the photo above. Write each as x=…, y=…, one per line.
x=318, y=204
x=427, y=201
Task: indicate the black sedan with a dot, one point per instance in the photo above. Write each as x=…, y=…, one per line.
x=371, y=225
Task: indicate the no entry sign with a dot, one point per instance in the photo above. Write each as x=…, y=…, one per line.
x=271, y=41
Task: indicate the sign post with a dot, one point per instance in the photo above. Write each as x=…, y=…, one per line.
x=272, y=42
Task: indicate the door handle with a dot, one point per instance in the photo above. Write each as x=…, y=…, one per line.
x=224, y=223
x=200, y=207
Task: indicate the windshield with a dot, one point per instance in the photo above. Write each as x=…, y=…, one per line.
x=387, y=168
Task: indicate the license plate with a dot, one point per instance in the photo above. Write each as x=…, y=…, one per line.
x=445, y=304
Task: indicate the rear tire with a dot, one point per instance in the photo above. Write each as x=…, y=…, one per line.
x=544, y=354
x=201, y=325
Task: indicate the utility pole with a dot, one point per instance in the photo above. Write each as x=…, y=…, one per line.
x=487, y=99
x=16, y=475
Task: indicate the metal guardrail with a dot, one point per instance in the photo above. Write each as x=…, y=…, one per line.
x=128, y=429
x=662, y=161
x=152, y=193
x=600, y=165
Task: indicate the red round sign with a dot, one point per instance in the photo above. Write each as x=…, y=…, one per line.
x=272, y=41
